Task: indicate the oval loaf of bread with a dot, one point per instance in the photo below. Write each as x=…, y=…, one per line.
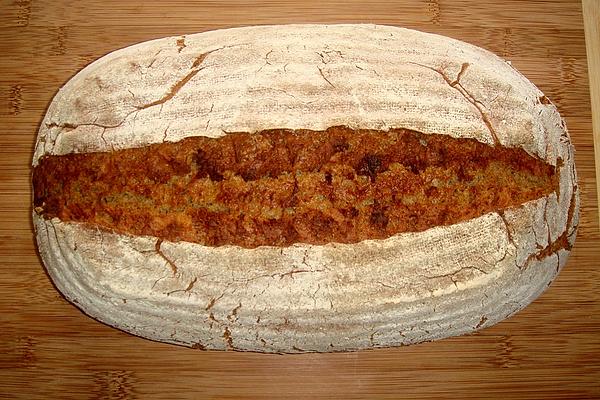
x=404, y=288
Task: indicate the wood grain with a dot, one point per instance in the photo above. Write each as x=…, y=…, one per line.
x=591, y=13
x=49, y=349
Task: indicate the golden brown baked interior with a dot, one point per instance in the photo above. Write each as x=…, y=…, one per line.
x=280, y=187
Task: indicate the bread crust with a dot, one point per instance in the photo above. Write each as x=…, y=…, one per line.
x=334, y=297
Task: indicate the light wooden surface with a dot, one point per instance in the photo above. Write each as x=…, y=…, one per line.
x=591, y=17
x=48, y=349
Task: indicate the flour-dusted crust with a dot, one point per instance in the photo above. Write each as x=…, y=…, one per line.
x=405, y=289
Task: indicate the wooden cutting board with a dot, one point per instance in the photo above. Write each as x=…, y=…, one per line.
x=49, y=349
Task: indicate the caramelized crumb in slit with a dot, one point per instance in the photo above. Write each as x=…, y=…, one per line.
x=279, y=187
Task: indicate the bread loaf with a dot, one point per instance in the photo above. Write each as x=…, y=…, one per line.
x=303, y=188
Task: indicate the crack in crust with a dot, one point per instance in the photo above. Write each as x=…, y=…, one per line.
x=233, y=316
x=212, y=302
x=481, y=322
x=181, y=44
x=267, y=62
x=195, y=68
x=452, y=275
x=175, y=88
x=562, y=242
x=189, y=287
x=455, y=84
x=199, y=346
x=169, y=261
x=507, y=226
x=324, y=77
x=228, y=338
